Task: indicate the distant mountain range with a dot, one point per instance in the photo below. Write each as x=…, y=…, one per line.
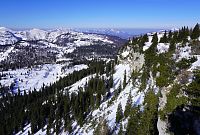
x=9, y=36
x=120, y=32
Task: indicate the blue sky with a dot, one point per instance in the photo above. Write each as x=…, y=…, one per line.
x=99, y=13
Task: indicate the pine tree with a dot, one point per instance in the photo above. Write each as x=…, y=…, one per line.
x=119, y=89
x=133, y=122
x=193, y=90
x=149, y=116
x=119, y=113
x=145, y=38
x=164, y=38
x=128, y=106
x=170, y=35
x=111, y=81
x=155, y=39
x=196, y=32
x=124, y=81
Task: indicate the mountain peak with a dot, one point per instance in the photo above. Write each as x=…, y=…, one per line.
x=4, y=29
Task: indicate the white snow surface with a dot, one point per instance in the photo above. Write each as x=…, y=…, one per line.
x=34, y=78
x=162, y=47
x=125, y=54
x=196, y=64
x=4, y=55
x=183, y=52
x=79, y=84
x=147, y=44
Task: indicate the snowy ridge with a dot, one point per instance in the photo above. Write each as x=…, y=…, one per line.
x=8, y=36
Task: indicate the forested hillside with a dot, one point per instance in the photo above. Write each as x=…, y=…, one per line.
x=151, y=87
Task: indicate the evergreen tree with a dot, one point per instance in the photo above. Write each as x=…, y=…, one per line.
x=119, y=113
x=124, y=81
x=149, y=116
x=193, y=90
x=155, y=39
x=164, y=38
x=145, y=38
x=128, y=106
x=119, y=89
x=133, y=122
x=170, y=35
x=196, y=32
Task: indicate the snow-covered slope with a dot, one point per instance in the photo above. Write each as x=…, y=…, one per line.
x=28, y=79
x=7, y=37
x=33, y=34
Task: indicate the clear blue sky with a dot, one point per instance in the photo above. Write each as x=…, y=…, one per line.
x=99, y=13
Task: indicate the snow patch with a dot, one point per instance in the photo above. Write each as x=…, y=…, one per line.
x=162, y=47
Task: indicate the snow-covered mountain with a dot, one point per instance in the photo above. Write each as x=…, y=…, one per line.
x=30, y=48
x=33, y=34
x=7, y=37
x=151, y=87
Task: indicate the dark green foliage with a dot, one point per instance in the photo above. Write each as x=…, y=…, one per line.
x=134, y=121
x=119, y=89
x=119, y=113
x=173, y=101
x=145, y=38
x=128, y=106
x=155, y=39
x=164, y=38
x=186, y=63
x=170, y=35
x=148, y=119
x=124, y=80
x=165, y=71
x=195, y=32
x=183, y=35
x=50, y=105
x=145, y=122
x=193, y=90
